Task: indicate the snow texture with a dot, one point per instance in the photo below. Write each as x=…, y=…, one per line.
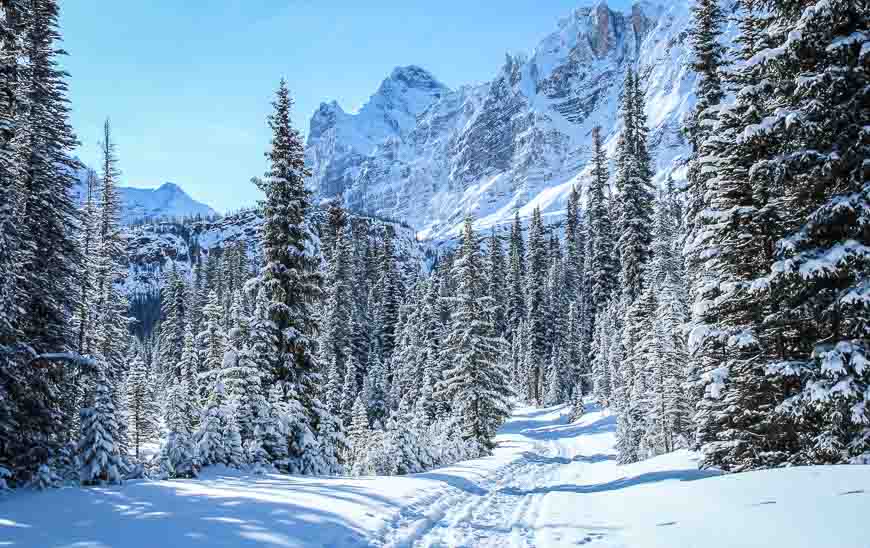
x=549, y=483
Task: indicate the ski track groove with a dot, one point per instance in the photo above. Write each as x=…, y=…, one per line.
x=498, y=517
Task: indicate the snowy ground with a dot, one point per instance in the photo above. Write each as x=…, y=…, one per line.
x=549, y=484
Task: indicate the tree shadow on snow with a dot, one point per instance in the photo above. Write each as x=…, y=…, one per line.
x=182, y=513
x=622, y=483
x=562, y=431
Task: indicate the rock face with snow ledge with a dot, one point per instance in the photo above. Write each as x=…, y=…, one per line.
x=430, y=155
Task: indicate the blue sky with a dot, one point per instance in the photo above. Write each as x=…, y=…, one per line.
x=188, y=87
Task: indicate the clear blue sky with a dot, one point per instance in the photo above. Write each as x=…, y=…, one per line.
x=187, y=84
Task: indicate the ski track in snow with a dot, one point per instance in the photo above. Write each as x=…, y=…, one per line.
x=549, y=484
x=501, y=510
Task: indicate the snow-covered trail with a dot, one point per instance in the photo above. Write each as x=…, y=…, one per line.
x=507, y=507
x=549, y=483
x=564, y=488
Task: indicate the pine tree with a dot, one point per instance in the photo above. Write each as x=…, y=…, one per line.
x=638, y=339
x=359, y=432
x=477, y=382
x=100, y=459
x=290, y=278
x=177, y=453
x=536, y=313
x=497, y=282
x=189, y=399
x=516, y=305
x=210, y=442
x=173, y=312
x=335, y=346
x=735, y=426
x=633, y=180
x=142, y=407
x=12, y=33
x=813, y=145
x=389, y=291
x=243, y=384
x=212, y=341
x=48, y=252
x=601, y=272
x=574, y=249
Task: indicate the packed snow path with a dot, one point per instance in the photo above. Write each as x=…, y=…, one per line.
x=549, y=483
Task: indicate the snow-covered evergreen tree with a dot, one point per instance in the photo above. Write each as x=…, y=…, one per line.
x=477, y=381
x=98, y=452
x=516, y=302
x=634, y=198
x=142, y=407
x=290, y=279
x=536, y=313
x=819, y=68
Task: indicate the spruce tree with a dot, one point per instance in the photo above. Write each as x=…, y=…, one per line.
x=477, y=381
x=290, y=278
x=143, y=409
x=813, y=145
x=536, y=313
x=497, y=282
x=100, y=458
x=634, y=199
x=389, y=292
x=516, y=302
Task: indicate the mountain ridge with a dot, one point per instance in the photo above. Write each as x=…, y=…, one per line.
x=518, y=141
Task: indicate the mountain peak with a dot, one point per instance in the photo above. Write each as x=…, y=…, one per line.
x=169, y=187
x=415, y=77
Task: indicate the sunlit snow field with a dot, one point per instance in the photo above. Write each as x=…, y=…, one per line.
x=550, y=483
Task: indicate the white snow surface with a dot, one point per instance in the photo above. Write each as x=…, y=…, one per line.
x=549, y=483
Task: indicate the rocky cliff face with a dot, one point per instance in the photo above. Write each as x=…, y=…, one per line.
x=430, y=155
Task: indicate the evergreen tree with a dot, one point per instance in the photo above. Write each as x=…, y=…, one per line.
x=290, y=278
x=48, y=254
x=536, y=313
x=173, y=312
x=100, y=459
x=335, y=348
x=177, y=453
x=143, y=409
x=633, y=180
x=497, y=283
x=389, y=292
x=813, y=145
x=516, y=305
x=212, y=341
x=477, y=382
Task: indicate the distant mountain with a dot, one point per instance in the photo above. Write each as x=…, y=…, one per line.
x=166, y=201
x=427, y=154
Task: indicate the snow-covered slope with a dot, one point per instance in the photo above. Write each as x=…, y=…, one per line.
x=167, y=201
x=549, y=483
x=521, y=139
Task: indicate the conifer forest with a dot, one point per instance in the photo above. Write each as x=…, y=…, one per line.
x=700, y=287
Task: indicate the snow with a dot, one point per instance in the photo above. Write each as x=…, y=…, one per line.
x=166, y=201
x=549, y=483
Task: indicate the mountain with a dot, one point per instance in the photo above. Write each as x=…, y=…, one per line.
x=166, y=201
x=428, y=154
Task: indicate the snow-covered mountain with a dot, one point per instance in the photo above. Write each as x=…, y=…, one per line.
x=430, y=155
x=166, y=201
